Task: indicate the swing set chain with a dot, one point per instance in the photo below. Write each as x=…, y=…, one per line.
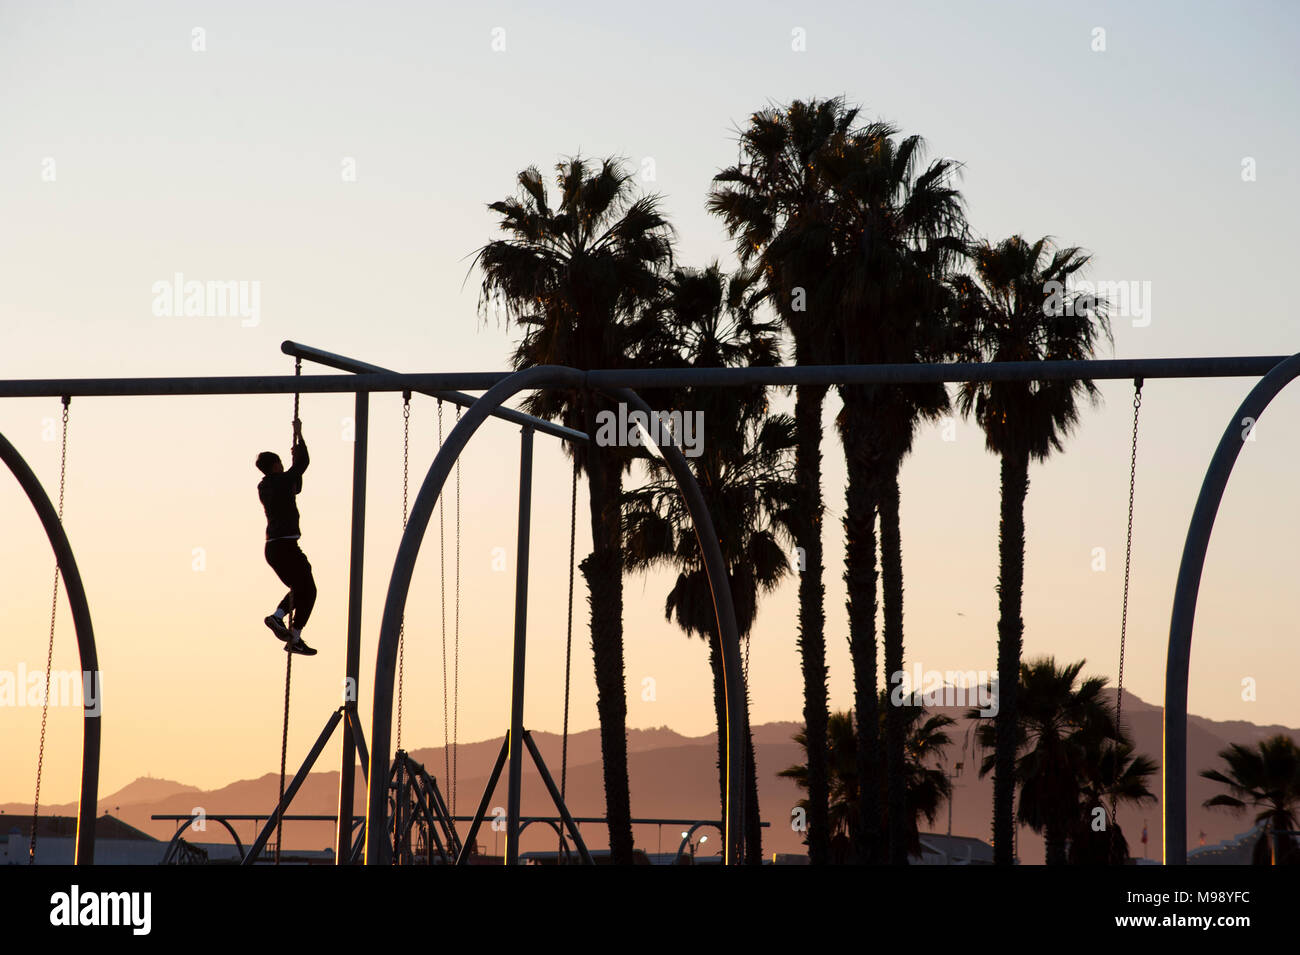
x=49, y=653
x=401, y=628
x=1128, y=549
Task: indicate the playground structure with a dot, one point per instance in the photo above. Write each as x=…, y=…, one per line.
x=1274, y=373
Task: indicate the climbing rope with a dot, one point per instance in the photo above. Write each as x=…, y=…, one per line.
x=401, y=630
x=49, y=653
x=455, y=699
x=442, y=568
x=1128, y=548
x=288, y=663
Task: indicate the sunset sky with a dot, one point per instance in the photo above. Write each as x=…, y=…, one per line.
x=229, y=164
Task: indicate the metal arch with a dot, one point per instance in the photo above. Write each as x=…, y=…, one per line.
x=87, y=807
x=686, y=839
x=239, y=846
x=541, y=376
x=1174, y=764
x=559, y=831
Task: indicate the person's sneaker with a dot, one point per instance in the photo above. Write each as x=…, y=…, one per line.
x=298, y=645
x=277, y=627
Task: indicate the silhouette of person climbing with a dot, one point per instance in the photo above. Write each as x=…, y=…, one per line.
x=277, y=491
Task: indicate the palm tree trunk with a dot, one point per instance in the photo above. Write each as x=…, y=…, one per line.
x=860, y=577
x=891, y=570
x=812, y=615
x=753, y=822
x=1054, y=843
x=720, y=711
x=603, y=572
x=1011, y=579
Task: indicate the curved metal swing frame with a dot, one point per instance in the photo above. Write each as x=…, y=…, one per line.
x=87, y=806
x=1173, y=766
x=543, y=376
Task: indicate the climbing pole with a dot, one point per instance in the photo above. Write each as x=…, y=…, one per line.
x=568, y=643
x=401, y=630
x=1128, y=549
x=455, y=691
x=288, y=663
x=49, y=653
x=442, y=569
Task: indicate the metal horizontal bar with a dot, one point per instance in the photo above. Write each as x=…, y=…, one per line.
x=1098, y=369
x=243, y=385
x=602, y=820
x=247, y=817
x=343, y=363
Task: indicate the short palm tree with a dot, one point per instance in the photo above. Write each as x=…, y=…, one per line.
x=927, y=786
x=1058, y=725
x=745, y=473
x=579, y=277
x=1002, y=313
x=1113, y=774
x=1265, y=778
x=777, y=204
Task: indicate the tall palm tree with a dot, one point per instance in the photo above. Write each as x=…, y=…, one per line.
x=1266, y=778
x=926, y=785
x=578, y=277
x=1003, y=313
x=744, y=472
x=777, y=205
x=899, y=228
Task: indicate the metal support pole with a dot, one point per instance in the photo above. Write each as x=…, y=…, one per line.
x=521, y=636
x=1173, y=766
x=352, y=667
x=477, y=819
x=85, y=850
x=260, y=842
x=353, y=726
x=556, y=798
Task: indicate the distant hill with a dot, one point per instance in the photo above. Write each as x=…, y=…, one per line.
x=673, y=775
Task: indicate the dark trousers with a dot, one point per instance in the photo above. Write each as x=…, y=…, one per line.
x=291, y=566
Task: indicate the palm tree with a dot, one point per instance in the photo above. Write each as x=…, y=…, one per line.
x=1061, y=734
x=744, y=473
x=577, y=278
x=1113, y=774
x=899, y=229
x=1266, y=778
x=1002, y=313
x=777, y=206
x=926, y=785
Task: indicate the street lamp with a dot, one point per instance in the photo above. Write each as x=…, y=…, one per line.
x=951, y=776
